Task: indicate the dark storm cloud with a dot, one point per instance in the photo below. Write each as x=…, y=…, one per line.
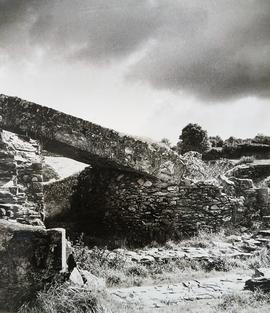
x=214, y=49
x=224, y=58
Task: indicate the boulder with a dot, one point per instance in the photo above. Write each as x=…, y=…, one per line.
x=76, y=278
x=93, y=282
x=260, y=280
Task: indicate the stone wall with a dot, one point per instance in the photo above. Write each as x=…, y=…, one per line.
x=29, y=257
x=256, y=172
x=21, y=189
x=87, y=142
x=58, y=196
x=115, y=204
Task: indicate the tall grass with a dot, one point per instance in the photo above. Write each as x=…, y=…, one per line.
x=64, y=298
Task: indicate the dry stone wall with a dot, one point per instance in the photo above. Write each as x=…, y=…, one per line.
x=256, y=172
x=112, y=203
x=57, y=196
x=21, y=189
x=30, y=255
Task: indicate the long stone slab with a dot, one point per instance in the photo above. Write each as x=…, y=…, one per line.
x=87, y=142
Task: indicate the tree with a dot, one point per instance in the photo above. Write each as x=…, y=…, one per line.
x=232, y=141
x=166, y=141
x=261, y=138
x=216, y=141
x=193, y=138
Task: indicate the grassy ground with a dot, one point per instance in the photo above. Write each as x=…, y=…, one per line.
x=119, y=272
x=244, y=303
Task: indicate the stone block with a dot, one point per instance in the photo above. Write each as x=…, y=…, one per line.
x=29, y=257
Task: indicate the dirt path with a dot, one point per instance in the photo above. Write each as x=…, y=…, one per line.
x=163, y=295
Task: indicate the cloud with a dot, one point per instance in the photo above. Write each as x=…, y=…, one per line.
x=225, y=56
x=214, y=50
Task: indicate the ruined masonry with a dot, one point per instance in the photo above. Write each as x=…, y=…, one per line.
x=133, y=189
x=29, y=254
x=21, y=190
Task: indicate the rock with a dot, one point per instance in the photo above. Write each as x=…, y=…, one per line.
x=76, y=278
x=148, y=183
x=261, y=283
x=224, y=179
x=29, y=256
x=262, y=271
x=140, y=181
x=93, y=282
x=243, y=183
x=264, y=233
x=173, y=188
x=260, y=280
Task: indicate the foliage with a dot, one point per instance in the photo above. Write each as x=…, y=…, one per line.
x=262, y=139
x=193, y=138
x=234, y=142
x=166, y=142
x=216, y=141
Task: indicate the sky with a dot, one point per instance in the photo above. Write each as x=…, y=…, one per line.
x=142, y=67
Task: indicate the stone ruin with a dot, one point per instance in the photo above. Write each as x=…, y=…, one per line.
x=133, y=190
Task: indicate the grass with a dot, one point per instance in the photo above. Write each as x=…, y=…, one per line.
x=118, y=271
x=65, y=298
x=244, y=302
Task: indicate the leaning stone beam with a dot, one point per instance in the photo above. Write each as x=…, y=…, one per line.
x=87, y=142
